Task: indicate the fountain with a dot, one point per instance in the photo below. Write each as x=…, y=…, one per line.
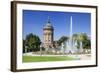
x=70, y=46
x=63, y=47
x=81, y=48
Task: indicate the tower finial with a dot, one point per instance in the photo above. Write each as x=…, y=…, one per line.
x=48, y=19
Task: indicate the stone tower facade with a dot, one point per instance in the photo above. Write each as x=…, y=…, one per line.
x=48, y=35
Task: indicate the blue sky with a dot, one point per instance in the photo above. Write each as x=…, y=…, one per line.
x=33, y=22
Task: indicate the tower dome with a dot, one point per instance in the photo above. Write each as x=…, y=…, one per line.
x=48, y=25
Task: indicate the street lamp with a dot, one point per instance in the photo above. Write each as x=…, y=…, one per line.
x=41, y=49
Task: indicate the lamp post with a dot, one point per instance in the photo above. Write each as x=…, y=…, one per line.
x=41, y=49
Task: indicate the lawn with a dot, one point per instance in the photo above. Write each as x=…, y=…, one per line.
x=45, y=58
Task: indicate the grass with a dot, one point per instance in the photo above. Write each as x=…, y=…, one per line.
x=45, y=58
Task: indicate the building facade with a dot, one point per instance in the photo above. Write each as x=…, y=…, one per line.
x=48, y=35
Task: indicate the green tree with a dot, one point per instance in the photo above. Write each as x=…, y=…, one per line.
x=33, y=42
x=75, y=37
x=23, y=46
x=82, y=37
x=62, y=39
x=87, y=44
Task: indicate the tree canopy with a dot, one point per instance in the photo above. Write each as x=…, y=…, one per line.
x=32, y=42
x=62, y=39
x=82, y=37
